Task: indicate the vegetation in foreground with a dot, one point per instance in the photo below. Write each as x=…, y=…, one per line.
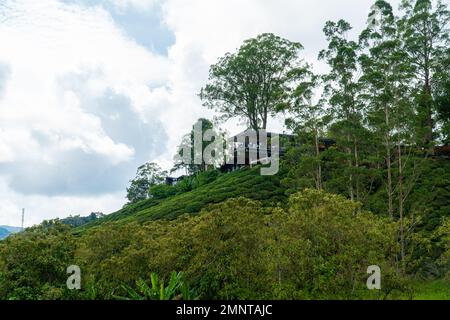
x=318, y=247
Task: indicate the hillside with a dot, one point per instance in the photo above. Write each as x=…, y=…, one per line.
x=245, y=182
x=248, y=182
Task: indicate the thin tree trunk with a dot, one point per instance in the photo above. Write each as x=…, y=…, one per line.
x=429, y=120
x=388, y=162
x=389, y=178
x=357, y=167
x=319, y=167
x=264, y=124
x=350, y=165
x=400, y=205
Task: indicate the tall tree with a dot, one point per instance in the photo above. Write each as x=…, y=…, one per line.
x=147, y=175
x=254, y=82
x=442, y=96
x=342, y=87
x=404, y=126
x=386, y=75
x=188, y=144
x=426, y=36
x=308, y=119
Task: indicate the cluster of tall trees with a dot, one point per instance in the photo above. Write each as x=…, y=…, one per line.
x=385, y=97
x=385, y=100
x=396, y=58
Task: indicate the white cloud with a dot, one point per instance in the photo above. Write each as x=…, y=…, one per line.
x=51, y=40
x=62, y=62
x=137, y=4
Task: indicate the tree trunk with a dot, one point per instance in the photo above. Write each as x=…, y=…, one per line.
x=389, y=179
x=400, y=205
x=350, y=165
x=388, y=162
x=264, y=118
x=428, y=110
x=319, y=167
x=357, y=167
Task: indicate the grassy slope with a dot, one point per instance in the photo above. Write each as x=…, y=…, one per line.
x=245, y=182
x=433, y=290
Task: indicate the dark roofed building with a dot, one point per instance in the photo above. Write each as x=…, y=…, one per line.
x=171, y=181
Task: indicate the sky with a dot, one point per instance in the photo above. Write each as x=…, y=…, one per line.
x=91, y=89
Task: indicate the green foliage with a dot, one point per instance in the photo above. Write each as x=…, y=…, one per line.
x=76, y=221
x=230, y=256
x=176, y=289
x=426, y=37
x=317, y=246
x=324, y=244
x=192, y=157
x=434, y=290
x=442, y=235
x=147, y=175
x=254, y=82
x=162, y=191
x=426, y=204
x=33, y=263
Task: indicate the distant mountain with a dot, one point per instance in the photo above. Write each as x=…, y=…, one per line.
x=12, y=229
x=3, y=233
x=7, y=230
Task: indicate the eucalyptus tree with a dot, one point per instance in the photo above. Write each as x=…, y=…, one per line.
x=254, y=82
x=386, y=76
x=388, y=72
x=307, y=117
x=442, y=97
x=342, y=88
x=425, y=28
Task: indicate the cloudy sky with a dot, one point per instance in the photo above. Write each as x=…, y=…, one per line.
x=90, y=89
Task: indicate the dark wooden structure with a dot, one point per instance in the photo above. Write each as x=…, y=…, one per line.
x=252, y=150
x=171, y=181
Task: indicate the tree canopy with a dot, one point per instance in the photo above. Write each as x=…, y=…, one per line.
x=256, y=81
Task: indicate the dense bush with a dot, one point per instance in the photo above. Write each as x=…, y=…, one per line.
x=33, y=264
x=319, y=246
